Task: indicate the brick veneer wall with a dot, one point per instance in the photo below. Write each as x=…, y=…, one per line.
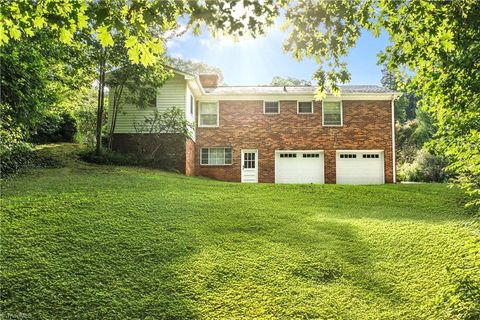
x=367, y=126
x=189, y=157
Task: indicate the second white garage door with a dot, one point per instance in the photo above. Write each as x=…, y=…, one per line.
x=299, y=166
x=359, y=167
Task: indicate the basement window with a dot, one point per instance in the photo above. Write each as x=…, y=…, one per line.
x=216, y=156
x=271, y=107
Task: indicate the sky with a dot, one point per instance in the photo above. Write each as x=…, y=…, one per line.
x=256, y=61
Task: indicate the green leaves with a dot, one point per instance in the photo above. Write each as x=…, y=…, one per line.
x=438, y=41
x=24, y=17
x=104, y=36
x=143, y=23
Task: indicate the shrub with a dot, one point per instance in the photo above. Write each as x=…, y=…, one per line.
x=15, y=157
x=109, y=157
x=86, y=125
x=56, y=128
x=461, y=298
x=161, y=138
x=15, y=153
x=425, y=167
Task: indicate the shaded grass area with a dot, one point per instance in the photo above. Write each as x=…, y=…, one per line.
x=86, y=241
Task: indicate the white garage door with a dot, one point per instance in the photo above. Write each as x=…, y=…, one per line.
x=354, y=167
x=299, y=166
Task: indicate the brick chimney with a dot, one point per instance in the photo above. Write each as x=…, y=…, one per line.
x=209, y=80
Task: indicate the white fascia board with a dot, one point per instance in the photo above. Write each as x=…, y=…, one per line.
x=291, y=97
x=195, y=86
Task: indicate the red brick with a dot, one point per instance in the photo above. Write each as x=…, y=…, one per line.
x=243, y=125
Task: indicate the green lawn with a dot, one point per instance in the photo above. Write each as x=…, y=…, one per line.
x=86, y=241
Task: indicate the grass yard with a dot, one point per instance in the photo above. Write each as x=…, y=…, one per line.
x=83, y=241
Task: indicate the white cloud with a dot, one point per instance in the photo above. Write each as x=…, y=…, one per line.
x=176, y=42
x=176, y=54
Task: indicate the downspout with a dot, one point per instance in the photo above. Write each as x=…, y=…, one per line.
x=393, y=142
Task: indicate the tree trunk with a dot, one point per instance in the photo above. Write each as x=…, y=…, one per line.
x=100, y=104
x=115, y=106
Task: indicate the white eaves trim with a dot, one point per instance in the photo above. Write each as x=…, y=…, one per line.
x=299, y=97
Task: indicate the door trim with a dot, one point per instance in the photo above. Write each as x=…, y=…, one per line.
x=242, y=153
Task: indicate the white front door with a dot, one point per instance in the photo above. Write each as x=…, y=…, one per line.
x=249, y=165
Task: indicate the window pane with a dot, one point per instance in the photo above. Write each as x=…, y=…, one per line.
x=152, y=98
x=208, y=120
x=228, y=156
x=271, y=107
x=208, y=108
x=332, y=113
x=305, y=107
x=204, y=156
x=208, y=114
x=216, y=156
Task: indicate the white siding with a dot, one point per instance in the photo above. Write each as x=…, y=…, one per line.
x=189, y=115
x=171, y=94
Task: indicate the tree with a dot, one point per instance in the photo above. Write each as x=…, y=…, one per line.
x=290, y=81
x=38, y=76
x=194, y=67
x=144, y=23
x=135, y=84
x=439, y=41
x=406, y=105
x=84, y=111
x=139, y=27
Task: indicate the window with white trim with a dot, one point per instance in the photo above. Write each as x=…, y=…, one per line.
x=152, y=101
x=271, y=107
x=191, y=104
x=348, y=156
x=332, y=113
x=305, y=107
x=208, y=114
x=216, y=156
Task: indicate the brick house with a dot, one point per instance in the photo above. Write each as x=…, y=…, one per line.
x=277, y=134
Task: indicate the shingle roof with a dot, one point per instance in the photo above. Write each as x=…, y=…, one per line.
x=292, y=90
